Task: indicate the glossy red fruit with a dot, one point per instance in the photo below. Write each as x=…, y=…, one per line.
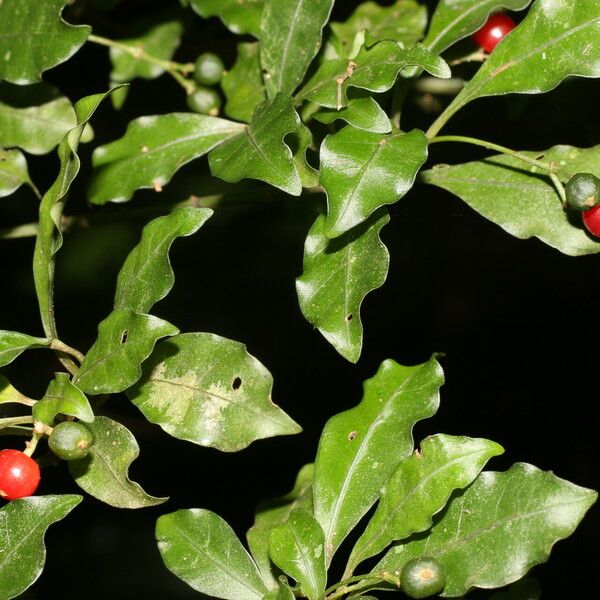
x=591, y=220
x=496, y=27
x=19, y=475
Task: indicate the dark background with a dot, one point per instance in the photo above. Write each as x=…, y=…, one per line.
x=514, y=318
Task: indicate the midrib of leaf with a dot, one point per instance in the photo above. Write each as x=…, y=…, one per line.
x=463, y=16
x=360, y=453
x=286, y=46
x=203, y=550
x=306, y=563
x=123, y=482
x=346, y=292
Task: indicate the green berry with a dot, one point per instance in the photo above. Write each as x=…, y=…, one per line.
x=204, y=101
x=209, y=69
x=583, y=191
x=70, y=440
x=422, y=577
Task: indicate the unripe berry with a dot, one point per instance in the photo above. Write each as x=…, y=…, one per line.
x=70, y=440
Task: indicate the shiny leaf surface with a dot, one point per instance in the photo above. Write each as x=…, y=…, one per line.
x=337, y=275
x=260, y=151
x=208, y=390
x=240, y=16
x=23, y=525
x=360, y=448
x=363, y=171
x=152, y=150
x=201, y=549
x=125, y=340
x=361, y=113
x=291, y=32
x=34, y=38
x=62, y=397
x=497, y=529
x=103, y=473
x=13, y=343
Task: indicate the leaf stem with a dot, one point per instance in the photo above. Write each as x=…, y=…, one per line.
x=64, y=349
x=341, y=588
x=12, y=421
x=177, y=70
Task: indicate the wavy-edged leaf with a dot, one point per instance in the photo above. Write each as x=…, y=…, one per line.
x=454, y=20
x=160, y=41
x=146, y=275
x=337, y=275
x=34, y=117
x=420, y=487
x=104, y=472
x=361, y=113
x=34, y=38
x=271, y=513
x=363, y=171
x=13, y=343
x=243, y=84
x=290, y=37
x=403, y=21
x=23, y=525
x=297, y=548
x=151, y=152
x=498, y=528
x=13, y=172
x=125, y=340
x=208, y=390
x=557, y=39
x=299, y=143
x=374, y=69
x=360, y=448
x=49, y=238
x=520, y=198
x=260, y=151
x=62, y=397
x=240, y=16
x=201, y=549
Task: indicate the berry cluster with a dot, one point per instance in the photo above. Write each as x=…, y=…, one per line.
x=208, y=70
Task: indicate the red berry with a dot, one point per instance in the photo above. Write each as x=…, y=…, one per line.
x=19, y=474
x=591, y=220
x=496, y=27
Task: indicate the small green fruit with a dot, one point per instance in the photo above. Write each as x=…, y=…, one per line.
x=209, y=69
x=204, y=101
x=70, y=440
x=583, y=191
x=422, y=577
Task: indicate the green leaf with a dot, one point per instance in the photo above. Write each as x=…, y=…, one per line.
x=49, y=238
x=520, y=198
x=34, y=117
x=13, y=343
x=404, y=21
x=361, y=447
x=240, y=16
x=291, y=32
x=13, y=171
x=243, y=84
x=160, y=41
x=260, y=151
x=420, y=487
x=557, y=39
x=454, y=20
x=62, y=397
x=125, y=340
x=9, y=394
x=103, y=473
x=208, y=390
x=283, y=591
x=375, y=69
x=23, y=524
x=337, y=275
x=299, y=143
x=146, y=275
x=361, y=113
x=498, y=528
x=202, y=550
x=297, y=548
x=34, y=38
x=363, y=171
x=152, y=150
x=271, y=513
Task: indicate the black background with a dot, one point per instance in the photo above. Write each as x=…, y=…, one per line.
x=515, y=319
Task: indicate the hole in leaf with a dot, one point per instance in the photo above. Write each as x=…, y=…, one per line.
x=349, y=317
x=236, y=383
x=124, y=336
x=352, y=435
